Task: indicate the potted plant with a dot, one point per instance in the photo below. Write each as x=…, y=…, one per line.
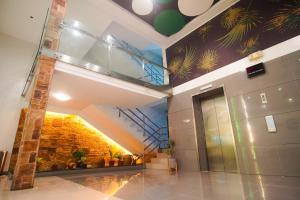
x=127, y=159
x=119, y=157
x=111, y=158
x=39, y=162
x=171, y=153
x=80, y=158
x=102, y=160
x=134, y=158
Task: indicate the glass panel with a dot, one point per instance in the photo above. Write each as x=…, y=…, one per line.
x=213, y=144
x=83, y=50
x=123, y=63
x=89, y=44
x=226, y=135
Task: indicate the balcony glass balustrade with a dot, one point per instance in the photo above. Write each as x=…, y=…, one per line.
x=108, y=57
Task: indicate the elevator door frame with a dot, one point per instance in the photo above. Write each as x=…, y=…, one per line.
x=200, y=130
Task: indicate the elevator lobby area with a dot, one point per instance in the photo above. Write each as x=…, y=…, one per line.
x=150, y=99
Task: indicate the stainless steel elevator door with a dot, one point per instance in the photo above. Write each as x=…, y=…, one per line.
x=218, y=135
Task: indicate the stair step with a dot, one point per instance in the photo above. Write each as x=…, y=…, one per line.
x=156, y=166
x=160, y=160
x=162, y=155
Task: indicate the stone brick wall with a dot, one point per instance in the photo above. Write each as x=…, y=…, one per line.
x=62, y=134
x=18, y=138
x=23, y=177
x=24, y=170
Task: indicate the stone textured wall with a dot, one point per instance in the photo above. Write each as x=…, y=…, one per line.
x=23, y=177
x=63, y=134
x=25, y=165
x=17, y=142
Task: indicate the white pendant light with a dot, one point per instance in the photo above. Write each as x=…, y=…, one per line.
x=142, y=7
x=194, y=7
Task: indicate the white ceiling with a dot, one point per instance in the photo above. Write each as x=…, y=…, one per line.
x=96, y=15
x=15, y=18
x=96, y=89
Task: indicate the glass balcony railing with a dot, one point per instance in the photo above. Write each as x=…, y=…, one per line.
x=109, y=57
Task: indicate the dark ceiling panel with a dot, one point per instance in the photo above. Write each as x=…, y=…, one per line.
x=162, y=15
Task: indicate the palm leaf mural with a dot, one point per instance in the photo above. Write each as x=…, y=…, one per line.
x=181, y=67
x=179, y=50
x=245, y=22
x=231, y=17
x=204, y=30
x=208, y=60
x=175, y=64
x=249, y=46
x=286, y=18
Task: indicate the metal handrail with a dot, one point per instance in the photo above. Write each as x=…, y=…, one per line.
x=152, y=135
x=38, y=53
x=158, y=139
x=143, y=121
x=147, y=118
x=156, y=132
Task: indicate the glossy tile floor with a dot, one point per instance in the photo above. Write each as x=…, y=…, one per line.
x=157, y=185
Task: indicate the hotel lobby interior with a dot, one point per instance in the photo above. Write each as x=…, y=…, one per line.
x=150, y=99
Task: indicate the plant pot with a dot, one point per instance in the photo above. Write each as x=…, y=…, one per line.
x=111, y=163
x=133, y=162
x=71, y=165
x=54, y=167
x=81, y=165
x=121, y=163
x=102, y=163
x=127, y=160
x=172, y=163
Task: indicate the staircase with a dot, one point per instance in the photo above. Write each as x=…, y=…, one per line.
x=154, y=136
x=161, y=161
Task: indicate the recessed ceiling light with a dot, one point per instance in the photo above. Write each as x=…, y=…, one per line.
x=187, y=121
x=76, y=33
x=76, y=24
x=109, y=39
x=291, y=100
x=61, y=96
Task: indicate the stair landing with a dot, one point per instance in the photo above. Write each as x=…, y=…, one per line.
x=161, y=162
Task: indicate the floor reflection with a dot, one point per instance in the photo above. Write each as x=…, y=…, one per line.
x=109, y=183
x=150, y=185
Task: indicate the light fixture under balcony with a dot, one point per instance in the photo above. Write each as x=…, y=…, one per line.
x=61, y=96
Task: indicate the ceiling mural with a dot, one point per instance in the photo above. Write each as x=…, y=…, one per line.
x=246, y=27
x=167, y=16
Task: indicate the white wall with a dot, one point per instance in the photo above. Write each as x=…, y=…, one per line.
x=16, y=57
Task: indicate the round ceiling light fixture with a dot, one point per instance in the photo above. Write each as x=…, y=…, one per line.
x=61, y=96
x=142, y=7
x=194, y=7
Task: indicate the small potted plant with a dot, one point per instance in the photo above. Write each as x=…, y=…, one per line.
x=171, y=153
x=39, y=162
x=80, y=158
x=111, y=157
x=127, y=159
x=119, y=157
x=134, y=158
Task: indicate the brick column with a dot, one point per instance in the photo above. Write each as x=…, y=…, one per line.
x=24, y=171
